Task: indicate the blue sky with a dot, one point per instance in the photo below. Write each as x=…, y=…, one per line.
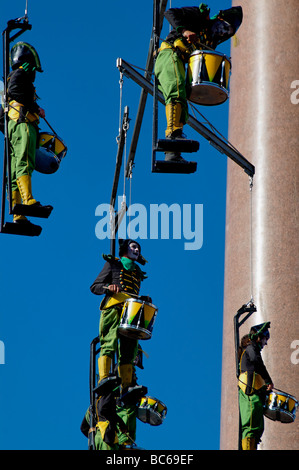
x=48, y=315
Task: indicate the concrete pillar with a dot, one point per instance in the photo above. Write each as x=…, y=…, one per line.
x=264, y=127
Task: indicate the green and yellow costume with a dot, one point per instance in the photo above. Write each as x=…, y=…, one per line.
x=127, y=275
x=252, y=383
x=23, y=114
x=174, y=53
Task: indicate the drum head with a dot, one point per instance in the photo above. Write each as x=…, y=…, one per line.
x=280, y=407
x=147, y=415
x=275, y=414
x=151, y=411
x=46, y=162
x=207, y=94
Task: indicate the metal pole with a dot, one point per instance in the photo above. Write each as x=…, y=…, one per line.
x=156, y=22
x=144, y=92
x=6, y=140
x=92, y=376
x=6, y=182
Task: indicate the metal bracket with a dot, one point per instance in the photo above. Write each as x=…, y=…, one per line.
x=221, y=145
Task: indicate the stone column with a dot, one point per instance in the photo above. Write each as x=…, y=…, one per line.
x=264, y=127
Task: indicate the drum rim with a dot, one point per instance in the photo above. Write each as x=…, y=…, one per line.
x=64, y=151
x=205, y=51
x=284, y=394
x=213, y=84
x=137, y=328
x=292, y=415
x=154, y=398
x=156, y=414
x=53, y=135
x=132, y=299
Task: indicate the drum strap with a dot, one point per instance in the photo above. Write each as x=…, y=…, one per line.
x=257, y=380
x=14, y=112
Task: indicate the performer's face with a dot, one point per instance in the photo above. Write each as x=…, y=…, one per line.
x=133, y=251
x=264, y=341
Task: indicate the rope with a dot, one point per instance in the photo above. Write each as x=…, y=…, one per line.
x=121, y=81
x=251, y=239
x=123, y=128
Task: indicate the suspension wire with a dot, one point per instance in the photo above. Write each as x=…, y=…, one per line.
x=212, y=127
x=251, y=238
x=125, y=158
x=121, y=82
x=112, y=209
x=123, y=128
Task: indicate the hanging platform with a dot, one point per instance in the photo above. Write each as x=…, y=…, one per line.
x=174, y=145
x=162, y=166
x=177, y=145
x=30, y=230
x=42, y=212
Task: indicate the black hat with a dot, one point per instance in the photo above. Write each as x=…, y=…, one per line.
x=225, y=24
x=23, y=52
x=260, y=330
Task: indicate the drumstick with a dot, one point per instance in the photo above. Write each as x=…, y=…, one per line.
x=49, y=126
x=123, y=292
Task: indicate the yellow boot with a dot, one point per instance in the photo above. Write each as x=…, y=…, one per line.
x=24, y=185
x=16, y=199
x=131, y=393
x=248, y=443
x=173, y=118
x=107, y=381
x=126, y=374
x=174, y=130
x=104, y=365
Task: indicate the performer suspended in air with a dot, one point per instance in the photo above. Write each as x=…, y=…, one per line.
x=192, y=29
x=23, y=114
x=118, y=278
x=254, y=382
x=115, y=427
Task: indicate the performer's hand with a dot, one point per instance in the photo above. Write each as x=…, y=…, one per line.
x=114, y=288
x=190, y=36
x=41, y=112
x=270, y=387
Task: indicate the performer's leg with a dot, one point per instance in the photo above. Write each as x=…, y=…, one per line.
x=130, y=391
x=252, y=419
x=170, y=72
x=14, y=157
x=23, y=140
x=248, y=443
x=16, y=199
x=128, y=415
x=109, y=322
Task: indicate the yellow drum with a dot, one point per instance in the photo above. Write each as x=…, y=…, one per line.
x=137, y=319
x=50, y=153
x=208, y=77
x=151, y=411
x=281, y=407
